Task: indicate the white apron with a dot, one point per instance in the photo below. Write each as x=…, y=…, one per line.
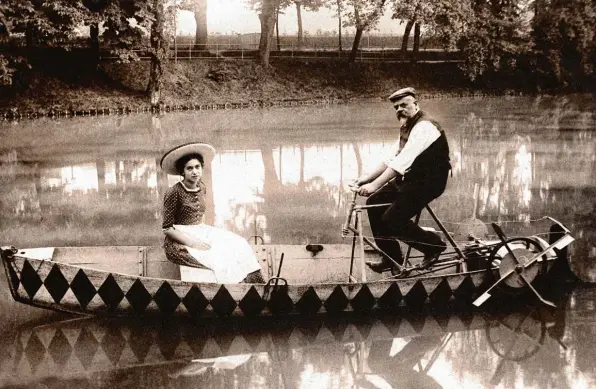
x=230, y=257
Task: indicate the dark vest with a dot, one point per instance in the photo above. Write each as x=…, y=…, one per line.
x=434, y=160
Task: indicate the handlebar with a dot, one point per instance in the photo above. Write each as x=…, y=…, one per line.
x=353, y=203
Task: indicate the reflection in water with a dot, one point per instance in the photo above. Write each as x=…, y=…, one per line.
x=530, y=348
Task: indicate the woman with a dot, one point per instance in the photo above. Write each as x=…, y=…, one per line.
x=188, y=241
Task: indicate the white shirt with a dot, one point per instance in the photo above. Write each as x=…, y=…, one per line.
x=422, y=135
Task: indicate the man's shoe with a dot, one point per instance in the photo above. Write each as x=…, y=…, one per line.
x=430, y=259
x=380, y=266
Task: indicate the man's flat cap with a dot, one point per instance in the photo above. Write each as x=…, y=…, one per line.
x=400, y=93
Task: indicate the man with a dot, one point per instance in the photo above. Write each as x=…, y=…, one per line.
x=415, y=173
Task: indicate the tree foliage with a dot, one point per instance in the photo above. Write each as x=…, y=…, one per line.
x=50, y=23
x=498, y=34
x=445, y=21
x=564, y=42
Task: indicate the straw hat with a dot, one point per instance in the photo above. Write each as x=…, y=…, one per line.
x=168, y=162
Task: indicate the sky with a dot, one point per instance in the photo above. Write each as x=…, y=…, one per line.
x=233, y=16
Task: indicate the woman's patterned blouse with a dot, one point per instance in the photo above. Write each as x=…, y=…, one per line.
x=183, y=206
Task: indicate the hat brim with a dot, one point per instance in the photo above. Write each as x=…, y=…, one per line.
x=168, y=162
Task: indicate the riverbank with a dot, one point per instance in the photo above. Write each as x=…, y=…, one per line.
x=60, y=90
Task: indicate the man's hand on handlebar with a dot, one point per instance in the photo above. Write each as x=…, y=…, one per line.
x=367, y=190
x=362, y=189
x=353, y=185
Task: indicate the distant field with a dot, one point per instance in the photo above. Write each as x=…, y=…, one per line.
x=286, y=42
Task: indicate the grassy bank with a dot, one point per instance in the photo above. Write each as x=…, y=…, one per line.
x=68, y=89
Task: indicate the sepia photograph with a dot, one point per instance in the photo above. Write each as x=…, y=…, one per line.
x=298, y=194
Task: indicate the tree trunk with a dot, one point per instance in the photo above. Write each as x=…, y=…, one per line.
x=339, y=3
x=200, y=13
x=157, y=53
x=94, y=41
x=355, y=44
x=267, y=19
x=29, y=35
x=409, y=26
x=278, y=28
x=416, y=42
x=4, y=30
x=299, y=20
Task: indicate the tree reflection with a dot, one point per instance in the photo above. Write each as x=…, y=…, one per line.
x=294, y=213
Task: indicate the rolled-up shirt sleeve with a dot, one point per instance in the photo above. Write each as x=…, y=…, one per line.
x=423, y=134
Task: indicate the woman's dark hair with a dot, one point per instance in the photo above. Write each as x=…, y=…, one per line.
x=182, y=161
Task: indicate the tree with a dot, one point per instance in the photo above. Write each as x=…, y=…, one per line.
x=267, y=11
x=339, y=13
x=498, y=34
x=125, y=26
x=564, y=43
x=51, y=23
x=310, y=5
x=444, y=20
x=365, y=14
x=199, y=10
x=157, y=53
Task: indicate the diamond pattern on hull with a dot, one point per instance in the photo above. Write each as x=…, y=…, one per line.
x=30, y=280
x=56, y=284
x=83, y=290
x=416, y=296
x=337, y=302
x=167, y=299
x=110, y=292
x=363, y=301
x=391, y=298
x=309, y=303
x=223, y=303
x=195, y=301
x=280, y=302
x=138, y=296
x=465, y=291
x=441, y=294
x=252, y=304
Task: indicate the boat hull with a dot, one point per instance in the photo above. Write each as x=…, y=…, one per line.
x=76, y=289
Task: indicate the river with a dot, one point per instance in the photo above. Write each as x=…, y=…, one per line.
x=281, y=173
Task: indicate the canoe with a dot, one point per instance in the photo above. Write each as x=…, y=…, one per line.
x=314, y=279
